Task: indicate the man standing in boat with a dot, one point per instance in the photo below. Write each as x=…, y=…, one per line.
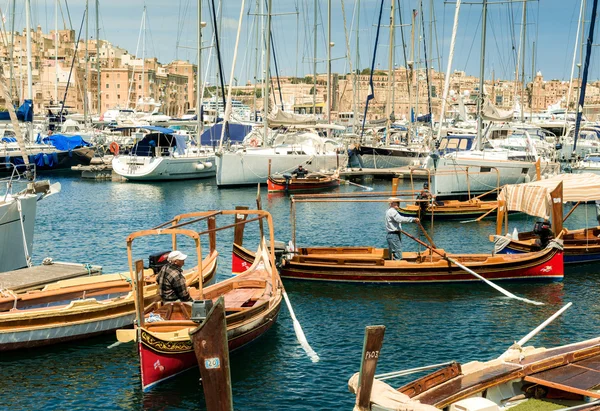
x=425, y=197
x=393, y=225
x=170, y=279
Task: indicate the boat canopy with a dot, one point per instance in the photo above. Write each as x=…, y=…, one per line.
x=162, y=130
x=146, y=146
x=237, y=132
x=534, y=198
x=490, y=112
x=24, y=113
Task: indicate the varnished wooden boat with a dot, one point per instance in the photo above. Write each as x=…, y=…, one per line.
x=312, y=182
x=580, y=246
x=450, y=209
x=370, y=265
x=562, y=377
x=79, y=308
x=252, y=303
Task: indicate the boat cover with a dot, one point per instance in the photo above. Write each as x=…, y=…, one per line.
x=65, y=143
x=24, y=113
x=534, y=198
x=237, y=132
x=492, y=113
x=277, y=118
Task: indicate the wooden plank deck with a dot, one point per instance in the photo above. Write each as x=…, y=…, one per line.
x=37, y=277
x=400, y=172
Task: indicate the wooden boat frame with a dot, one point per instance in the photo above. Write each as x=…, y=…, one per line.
x=170, y=338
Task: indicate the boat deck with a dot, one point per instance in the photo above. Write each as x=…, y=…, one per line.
x=400, y=172
x=37, y=277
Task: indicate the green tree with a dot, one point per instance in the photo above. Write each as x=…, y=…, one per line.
x=366, y=71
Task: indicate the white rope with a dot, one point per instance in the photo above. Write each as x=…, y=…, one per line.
x=299, y=333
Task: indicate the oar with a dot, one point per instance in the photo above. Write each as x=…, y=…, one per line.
x=346, y=181
x=299, y=333
x=478, y=219
x=459, y=265
x=426, y=235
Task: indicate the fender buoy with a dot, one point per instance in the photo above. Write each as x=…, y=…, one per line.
x=254, y=142
x=114, y=148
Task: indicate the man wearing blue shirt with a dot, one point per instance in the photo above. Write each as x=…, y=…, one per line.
x=393, y=225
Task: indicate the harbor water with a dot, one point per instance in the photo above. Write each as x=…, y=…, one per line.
x=426, y=324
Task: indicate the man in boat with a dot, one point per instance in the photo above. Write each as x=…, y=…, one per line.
x=425, y=197
x=170, y=279
x=354, y=157
x=300, y=172
x=393, y=225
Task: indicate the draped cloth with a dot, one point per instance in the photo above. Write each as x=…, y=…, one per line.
x=534, y=198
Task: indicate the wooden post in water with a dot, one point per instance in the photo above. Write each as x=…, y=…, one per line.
x=556, y=197
x=394, y=185
x=269, y=172
x=259, y=207
x=238, y=231
x=368, y=366
x=212, y=353
x=212, y=235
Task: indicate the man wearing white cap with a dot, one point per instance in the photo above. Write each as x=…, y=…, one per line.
x=170, y=279
x=393, y=225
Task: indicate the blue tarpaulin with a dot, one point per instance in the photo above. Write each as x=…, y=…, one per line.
x=24, y=113
x=162, y=130
x=180, y=144
x=237, y=132
x=65, y=143
x=424, y=118
x=9, y=140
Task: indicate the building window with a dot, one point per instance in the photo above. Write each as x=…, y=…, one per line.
x=118, y=85
x=107, y=76
x=107, y=85
x=140, y=87
x=118, y=97
x=140, y=77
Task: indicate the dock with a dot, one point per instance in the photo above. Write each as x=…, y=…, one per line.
x=386, y=173
x=100, y=168
x=36, y=277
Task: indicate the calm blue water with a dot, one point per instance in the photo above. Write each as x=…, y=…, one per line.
x=89, y=221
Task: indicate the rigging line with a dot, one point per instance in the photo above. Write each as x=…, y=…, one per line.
x=404, y=52
x=219, y=62
x=69, y=15
x=349, y=55
x=426, y=67
x=511, y=25
x=473, y=42
x=372, y=93
x=72, y=64
x=500, y=62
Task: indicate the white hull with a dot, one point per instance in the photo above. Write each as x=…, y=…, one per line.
x=252, y=166
x=164, y=168
x=62, y=332
x=12, y=249
x=450, y=176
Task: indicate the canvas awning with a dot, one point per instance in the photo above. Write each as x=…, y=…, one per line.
x=492, y=113
x=534, y=198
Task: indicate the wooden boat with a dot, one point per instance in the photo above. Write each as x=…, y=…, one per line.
x=252, y=302
x=81, y=307
x=311, y=182
x=566, y=377
x=449, y=209
x=580, y=246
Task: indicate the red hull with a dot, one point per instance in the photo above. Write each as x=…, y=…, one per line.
x=161, y=360
x=278, y=184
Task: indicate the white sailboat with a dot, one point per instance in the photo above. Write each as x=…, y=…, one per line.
x=164, y=155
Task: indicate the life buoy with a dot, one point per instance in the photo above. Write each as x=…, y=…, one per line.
x=114, y=148
x=254, y=142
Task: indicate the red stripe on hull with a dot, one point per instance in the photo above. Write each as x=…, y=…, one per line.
x=158, y=366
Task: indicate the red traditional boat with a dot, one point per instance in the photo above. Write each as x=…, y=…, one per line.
x=311, y=182
x=252, y=303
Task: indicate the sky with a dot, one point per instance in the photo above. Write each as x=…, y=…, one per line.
x=171, y=33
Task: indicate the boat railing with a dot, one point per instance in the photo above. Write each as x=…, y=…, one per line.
x=19, y=173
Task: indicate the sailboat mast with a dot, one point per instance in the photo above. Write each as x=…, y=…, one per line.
x=143, y=55
x=584, y=77
x=315, y=58
x=329, y=46
x=389, y=108
x=99, y=91
x=523, y=43
x=12, y=47
x=256, y=58
x=55, y=51
x=356, y=91
x=29, y=63
x=267, y=67
x=87, y=66
x=481, y=74
x=199, y=122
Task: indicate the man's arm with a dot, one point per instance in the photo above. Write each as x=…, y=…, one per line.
x=399, y=218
